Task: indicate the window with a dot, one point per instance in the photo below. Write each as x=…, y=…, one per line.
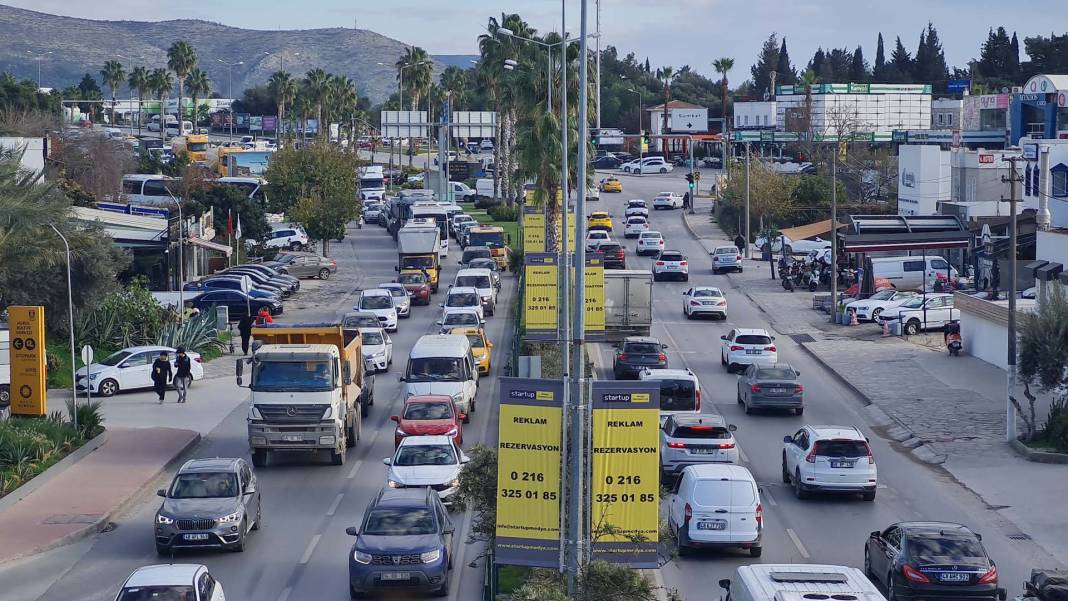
x=413, y=455
x=702, y=431
x=155, y=187
x=400, y=521
x=753, y=339
x=892, y=536
x=939, y=264
x=205, y=586
x=1060, y=180
x=131, y=186
x=138, y=359
x=747, y=119
x=1034, y=181
x=940, y=118
x=765, y=120
x=841, y=448
x=204, y=485
x=912, y=265
x=678, y=395
x=1027, y=180
x=425, y=411
x=933, y=548
x=642, y=348
x=949, y=119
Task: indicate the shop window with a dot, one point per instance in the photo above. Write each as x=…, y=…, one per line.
x=1027, y=180
x=1060, y=180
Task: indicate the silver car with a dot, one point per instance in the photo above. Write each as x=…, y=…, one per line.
x=210, y=504
x=771, y=387
x=402, y=299
x=305, y=265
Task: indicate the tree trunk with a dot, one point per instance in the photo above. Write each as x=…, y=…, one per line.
x=181, y=94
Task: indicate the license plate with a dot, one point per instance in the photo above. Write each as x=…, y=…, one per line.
x=704, y=451
x=848, y=464
x=711, y=525
x=292, y=437
x=196, y=537
x=394, y=576
x=752, y=351
x=954, y=577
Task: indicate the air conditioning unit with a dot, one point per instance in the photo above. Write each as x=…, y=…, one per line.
x=1017, y=89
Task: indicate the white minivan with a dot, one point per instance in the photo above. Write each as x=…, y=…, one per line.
x=911, y=273
x=716, y=505
x=680, y=390
x=771, y=581
x=442, y=364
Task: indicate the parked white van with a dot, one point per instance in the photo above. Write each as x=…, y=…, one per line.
x=442, y=364
x=484, y=188
x=909, y=273
x=771, y=581
x=716, y=505
x=147, y=189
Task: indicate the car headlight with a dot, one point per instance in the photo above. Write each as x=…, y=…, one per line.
x=458, y=397
x=381, y=353
x=400, y=432
x=361, y=557
x=452, y=431
x=394, y=483
x=485, y=299
x=430, y=556
x=256, y=413
x=93, y=376
x=455, y=483
x=232, y=518
x=162, y=519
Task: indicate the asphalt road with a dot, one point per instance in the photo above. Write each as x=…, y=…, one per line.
x=301, y=553
x=822, y=529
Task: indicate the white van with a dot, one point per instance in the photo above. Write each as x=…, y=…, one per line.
x=442, y=364
x=910, y=273
x=174, y=131
x=481, y=280
x=147, y=189
x=771, y=581
x=484, y=188
x=716, y=505
x=680, y=390
x=153, y=124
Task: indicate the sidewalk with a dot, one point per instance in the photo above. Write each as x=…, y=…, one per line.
x=948, y=411
x=81, y=499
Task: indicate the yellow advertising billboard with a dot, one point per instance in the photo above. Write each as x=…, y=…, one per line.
x=594, y=287
x=528, y=472
x=540, y=295
x=534, y=232
x=27, y=350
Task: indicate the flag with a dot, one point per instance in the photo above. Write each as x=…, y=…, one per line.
x=229, y=222
x=237, y=234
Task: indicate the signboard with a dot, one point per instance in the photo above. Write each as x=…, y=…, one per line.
x=958, y=85
x=688, y=120
x=626, y=472
x=540, y=295
x=241, y=120
x=255, y=123
x=986, y=159
x=270, y=123
x=534, y=232
x=474, y=124
x=1030, y=152
x=405, y=124
x=608, y=136
x=28, y=391
x=528, y=472
x=594, y=286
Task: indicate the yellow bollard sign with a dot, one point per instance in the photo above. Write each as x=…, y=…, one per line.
x=28, y=390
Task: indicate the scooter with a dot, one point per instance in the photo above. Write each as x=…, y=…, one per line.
x=954, y=344
x=813, y=279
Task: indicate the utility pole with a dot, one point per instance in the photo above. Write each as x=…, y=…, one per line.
x=565, y=275
x=1010, y=409
x=747, y=153
x=834, y=230
x=598, y=51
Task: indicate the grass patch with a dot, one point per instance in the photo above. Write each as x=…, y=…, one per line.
x=510, y=578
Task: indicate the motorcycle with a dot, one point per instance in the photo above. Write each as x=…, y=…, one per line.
x=813, y=279
x=953, y=339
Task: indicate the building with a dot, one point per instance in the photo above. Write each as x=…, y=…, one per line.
x=979, y=183
x=875, y=109
x=986, y=113
x=754, y=115
x=1041, y=109
x=946, y=113
x=923, y=179
x=1045, y=180
x=683, y=118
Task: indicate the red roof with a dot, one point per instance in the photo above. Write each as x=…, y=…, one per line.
x=675, y=104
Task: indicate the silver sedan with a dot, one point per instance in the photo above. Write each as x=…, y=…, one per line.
x=771, y=387
x=402, y=299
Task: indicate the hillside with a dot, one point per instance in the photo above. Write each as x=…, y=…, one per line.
x=81, y=45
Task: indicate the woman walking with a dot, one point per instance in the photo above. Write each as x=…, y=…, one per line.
x=183, y=375
x=161, y=374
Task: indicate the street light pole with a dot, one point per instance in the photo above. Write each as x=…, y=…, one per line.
x=1010, y=410
x=598, y=51
x=70, y=309
x=39, y=56
x=181, y=256
x=230, y=78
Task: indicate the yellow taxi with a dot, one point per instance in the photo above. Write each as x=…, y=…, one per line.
x=599, y=220
x=481, y=347
x=611, y=184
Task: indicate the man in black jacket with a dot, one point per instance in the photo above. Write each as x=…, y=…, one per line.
x=183, y=375
x=161, y=374
x=244, y=327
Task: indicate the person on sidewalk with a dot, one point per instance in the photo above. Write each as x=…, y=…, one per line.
x=183, y=373
x=739, y=242
x=244, y=327
x=161, y=374
x=686, y=200
x=264, y=317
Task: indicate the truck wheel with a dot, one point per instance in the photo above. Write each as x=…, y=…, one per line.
x=350, y=435
x=261, y=457
x=337, y=457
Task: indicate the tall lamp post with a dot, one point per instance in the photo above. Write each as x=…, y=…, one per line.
x=230, y=93
x=70, y=310
x=38, y=57
x=181, y=257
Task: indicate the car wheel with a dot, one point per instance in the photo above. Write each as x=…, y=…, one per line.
x=799, y=490
x=681, y=540
x=868, y=495
x=722, y=360
x=324, y=274
x=688, y=314
x=355, y=594
x=738, y=397
x=875, y=314
x=748, y=409
x=755, y=551
x=785, y=473
x=663, y=170
x=444, y=590
x=107, y=388
x=867, y=564
x=912, y=327
x=891, y=594
x=239, y=546
x=259, y=516
x=294, y=246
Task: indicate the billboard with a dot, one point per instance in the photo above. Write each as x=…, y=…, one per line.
x=534, y=232
x=241, y=120
x=594, y=286
x=528, y=472
x=688, y=120
x=27, y=351
x=540, y=295
x=404, y=124
x=270, y=123
x=255, y=123
x=625, y=489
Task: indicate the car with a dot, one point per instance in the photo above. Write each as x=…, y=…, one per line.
x=380, y=302
x=716, y=505
x=931, y=560
x=430, y=461
x=635, y=353
x=746, y=346
x=129, y=369
x=652, y=165
x=237, y=304
x=402, y=299
x=486, y=145
x=429, y=415
x=463, y=297
x=308, y=265
x=636, y=206
x=829, y=459
x=726, y=258
x=671, y=264
x=259, y=272
x=650, y=242
x=481, y=347
x=371, y=212
x=595, y=237
x=417, y=285
x=461, y=235
x=611, y=184
x=635, y=226
x=792, y=246
x=593, y=194
x=454, y=223
x=460, y=318
x=210, y=504
x=694, y=439
x=680, y=390
x=377, y=347
x=704, y=300
x=185, y=581
x=360, y=319
x=253, y=280
x=287, y=236
x=475, y=252
x=628, y=166
x=667, y=200
x=482, y=281
x=606, y=162
x=771, y=387
x=234, y=282
x=599, y=220
x=614, y=255
x=493, y=267
x=870, y=308
x=924, y=312
x=405, y=540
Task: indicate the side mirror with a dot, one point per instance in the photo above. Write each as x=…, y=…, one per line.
x=450, y=529
x=732, y=428
x=401, y=378
x=351, y=531
x=465, y=459
x=442, y=305
x=978, y=536
x=664, y=346
x=161, y=492
x=395, y=418
x=725, y=584
x=463, y=416
x=875, y=534
x=797, y=373
x=489, y=345
x=788, y=439
x=387, y=460
x=250, y=489
x=440, y=322
x=723, y=337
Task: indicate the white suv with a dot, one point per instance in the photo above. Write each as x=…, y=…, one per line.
x=380, y=302
x=680, y=390
x=635, y=226
x=649, y=243
x=289, y=236
x=716, y=505
x=671, y=263
x=692, y=439
x=747, y=346
x=829, y=458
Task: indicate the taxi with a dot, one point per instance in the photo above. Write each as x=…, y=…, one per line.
x=599, y=220
x=481, y=347
x=611, y=184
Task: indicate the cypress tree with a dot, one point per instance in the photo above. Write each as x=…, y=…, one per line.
x=786, y=76
x=879, y=68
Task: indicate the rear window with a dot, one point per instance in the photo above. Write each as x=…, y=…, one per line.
x=670, y=257
x=678, y=395
x=726, y=251
x=753, y=339
x=610, y=247
x=701, y=431
x=723, y=492
x=932, y=549
x=641, y=347
x=841, y=448
x=775, y=373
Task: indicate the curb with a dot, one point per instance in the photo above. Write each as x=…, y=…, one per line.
x=1030, y=454
x=58, y=468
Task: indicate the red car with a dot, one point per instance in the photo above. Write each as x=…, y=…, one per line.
x=429, y=415
x=416, y=284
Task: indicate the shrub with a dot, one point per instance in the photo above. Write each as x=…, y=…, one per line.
x=484, y=202
x=90, y=419
x=502, y=212
x=197, y=334
x=30, y=445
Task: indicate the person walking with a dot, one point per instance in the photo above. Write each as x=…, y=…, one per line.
x=739, y=242
x=264, y=317
x=244, y=327
x=183, y=374
x=161, y=374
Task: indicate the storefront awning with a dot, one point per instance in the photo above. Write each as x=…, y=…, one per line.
x=811, y=230
x=875, y=233
x=208, y=244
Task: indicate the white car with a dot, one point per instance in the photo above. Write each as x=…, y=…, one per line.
x=747, y=346
x=463, y=297
x=130, y=369
x=636, y=206
x=377, y=348
x=870, y=308
x=920, y=313
x=402, y=299
x=287, y=236
x=793, y=246
x=171, y=581
x=457, y=220
x=704, y=300
x=726, y=258
x=379, y=302
x=716, y=505
x=653, y=165
x=630, y=165
x=693, y=439
x=371, y=212
x=595, y=237
x=667, y=200
x=593, y=194
x=671, y=264
x=829, y=458
x=426, y=461
x=680, y=390
x=650, y=242
x=635, y=226
x=482, y=281
x=460, y=318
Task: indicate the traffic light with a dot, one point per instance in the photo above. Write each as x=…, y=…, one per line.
x=689, y=180
x=645, y=137
x=594, y=135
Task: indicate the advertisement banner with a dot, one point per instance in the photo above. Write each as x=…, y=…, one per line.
x=528, y=472
x=624, y=509
x=27, y=351
x=241, y=120
x=534, y=232
x=539, y=298
x=270, y=123
x=255, y=123
x=594, y=298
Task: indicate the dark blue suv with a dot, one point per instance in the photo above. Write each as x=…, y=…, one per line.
x=404, y=541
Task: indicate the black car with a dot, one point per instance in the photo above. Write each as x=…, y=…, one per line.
x=931, y=560
x=230, y=283
x=614, y=255
x=636, y=353
x=607, y=162
x=237, y=304
x=259, y=278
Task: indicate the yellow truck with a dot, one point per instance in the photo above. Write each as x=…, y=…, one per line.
x=307, y=390
x=418, y=248
x=194, y=145
x=494, y=237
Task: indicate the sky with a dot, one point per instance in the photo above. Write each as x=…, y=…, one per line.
x=668, y=32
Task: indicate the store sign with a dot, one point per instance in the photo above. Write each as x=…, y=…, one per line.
x=27, y=350
x=958, y=85
x=540, y=295
x=1030, y=152
x=625, y=502
x=528, y=472
x=993, y=101
x=986, y=159
x=688, y=120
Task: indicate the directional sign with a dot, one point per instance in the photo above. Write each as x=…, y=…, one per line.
x=28, y=392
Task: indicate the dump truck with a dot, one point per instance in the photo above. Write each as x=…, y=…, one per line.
x=194, y=145
x=494, y=237
x=306, y=384
x=628, y=303
x=418, y=248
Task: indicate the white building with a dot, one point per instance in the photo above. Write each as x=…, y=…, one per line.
x=878, y=109
x=754, y=115
x=979, y=183
x=946, y=113
x=923, y=179
x=34, y=151
x=683, y=118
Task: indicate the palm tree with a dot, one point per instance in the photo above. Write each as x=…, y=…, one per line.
x=343, y=98
x=317, y=87
x=284, y=88
x=139, y=80
x=723, y=66
x=113, y=75
x=665, y=75
x=161, y=83
x=181, y=58
x=199, y=87
x=454, y=81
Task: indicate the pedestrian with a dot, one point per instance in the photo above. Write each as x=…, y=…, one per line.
x=244, y=327
x=264, y=317
x=183, y=374
x=686, y=200
x=161, y=374
x=739, y=242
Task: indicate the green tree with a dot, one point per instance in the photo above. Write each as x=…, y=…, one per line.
x=317, y=89
x=182, y=59
x=89, y=90
x=113, y=75
x=723, y=66
x=900, y=64
x=140, y=81
x=199, y=87
x=284, y=88
x=1043, y=355
x=767, y=61
x=811, y=199
x=786, y=74
x=666, y=75
x=162, y=82
x=878, y=70
x=225, y=201
x=454, y=81
x=858, y=67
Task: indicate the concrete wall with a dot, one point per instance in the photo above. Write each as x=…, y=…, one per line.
x=984, y=339
x=923, y=179
x=33, y=159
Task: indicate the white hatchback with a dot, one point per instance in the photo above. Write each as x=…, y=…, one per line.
x=377, y=347
x=747, y=346
x=716, y=505
x=635, y=226
x=380, y=302
x=649, y=243
x=426, y=461
x=171, y=581
x=829, y=458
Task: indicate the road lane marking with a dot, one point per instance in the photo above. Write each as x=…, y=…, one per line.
x=355, y=468
x=797, y=542
x=311, y=549
x=285, y=593
x=767, y=496
x=741, y=453
x=333, y=506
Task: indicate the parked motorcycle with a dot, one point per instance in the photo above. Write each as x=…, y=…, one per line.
x=953, y=339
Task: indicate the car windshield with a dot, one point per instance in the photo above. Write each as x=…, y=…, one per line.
x=913, y=303
x=707, y=293
x=841, y=448
x=361, y=321
x=670, y=257
x=636, y=204
x=726, y=250
x=434, y=369
x=437, y=454
x=411, y=278
x=376, y=301
x=598, y=215
x=420, y=411
x=463, y=299
x=724, y=492
x=884, y=294
x=929, y=548
x=165, y=592
x=641, y=347
x=775, y=373
x=115, y=358
x=634, y=220
x=701, y=431
x=678, y=395
x=489, y=264
x=373, y=338
x=460, y=319
x=292, y=376
x=396, y=291
x=398, y=521
x=476, y=341
x=204, y=485
x=472, y=281
x=752, y=339
x=482, y=253
x=490, y=239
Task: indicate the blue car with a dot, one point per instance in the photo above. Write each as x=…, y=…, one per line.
x=229, y=283
x=404, y=542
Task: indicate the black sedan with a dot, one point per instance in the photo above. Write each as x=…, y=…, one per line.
x=636, y=353
x=607, y=162
x=237, y=303
x=931, y=560
x=231, y=283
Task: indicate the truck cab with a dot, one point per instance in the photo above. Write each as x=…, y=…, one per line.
x=194, y=145
x=418, y=248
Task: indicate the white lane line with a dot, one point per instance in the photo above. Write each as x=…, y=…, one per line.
x=315, y=541
x=797, y=542
x=355, y=468
x=285, y=593
x=766, y=492
x=333, y=506
x=741, y=453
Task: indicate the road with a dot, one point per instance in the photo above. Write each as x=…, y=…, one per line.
x=301, y=552
x=822, y=529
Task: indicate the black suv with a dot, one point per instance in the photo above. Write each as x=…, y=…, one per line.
x=614, y=255
x=636, y=353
